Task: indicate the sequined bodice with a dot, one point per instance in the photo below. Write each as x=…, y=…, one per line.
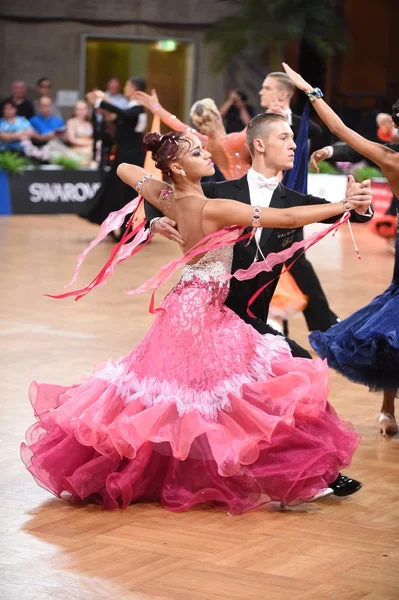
x=213, y=263
x=209, y=275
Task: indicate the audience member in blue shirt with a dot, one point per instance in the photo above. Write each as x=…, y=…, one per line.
x=46, y=125
x=13, y=128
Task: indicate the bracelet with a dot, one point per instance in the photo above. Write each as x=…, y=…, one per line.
x=142, y=181
x=346, y=205
x=314, y=94
x=256, y=218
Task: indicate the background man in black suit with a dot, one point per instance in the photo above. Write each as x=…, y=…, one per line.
x=254, y=188
x=276, y=94
x=130, y=125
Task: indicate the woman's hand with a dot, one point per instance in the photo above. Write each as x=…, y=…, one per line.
x=297, y=79
x=358, y=195
x=148, y=101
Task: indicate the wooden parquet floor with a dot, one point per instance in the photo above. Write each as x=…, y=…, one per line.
x=53, y=551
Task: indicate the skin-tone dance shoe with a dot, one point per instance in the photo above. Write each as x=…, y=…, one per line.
x=387, y=423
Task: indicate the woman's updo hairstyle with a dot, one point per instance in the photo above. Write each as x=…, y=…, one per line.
x=395, y=113
x=203, y=112
x=165, y=149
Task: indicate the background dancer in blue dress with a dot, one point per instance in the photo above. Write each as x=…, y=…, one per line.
x=365, y=346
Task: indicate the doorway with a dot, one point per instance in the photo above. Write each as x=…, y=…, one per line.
x=167, y=65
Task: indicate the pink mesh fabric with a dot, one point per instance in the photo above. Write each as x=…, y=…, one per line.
x=203, y=410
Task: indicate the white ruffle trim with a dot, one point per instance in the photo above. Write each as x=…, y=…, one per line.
x=151, y=391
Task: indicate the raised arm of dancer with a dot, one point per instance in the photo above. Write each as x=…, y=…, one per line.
x=141, y=180
x=171, y=121
x=98, y=100
x=220, y=213
x=384, y=157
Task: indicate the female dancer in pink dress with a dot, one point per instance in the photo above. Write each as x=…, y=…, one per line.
x=205, y=410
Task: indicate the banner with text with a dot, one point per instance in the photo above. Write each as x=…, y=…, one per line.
x=49, y=192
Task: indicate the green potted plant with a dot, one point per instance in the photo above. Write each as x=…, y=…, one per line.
x=326, y=168
x=368, y=172
x=11, y=163
x=69, y=164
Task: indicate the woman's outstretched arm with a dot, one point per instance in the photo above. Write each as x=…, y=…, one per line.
x=385, y=158
x=171, y=121
x=220, y=213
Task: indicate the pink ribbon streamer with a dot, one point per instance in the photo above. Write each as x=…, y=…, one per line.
x=277, y=258
x=138, y=238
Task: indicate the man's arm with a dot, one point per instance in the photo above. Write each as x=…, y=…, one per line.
x=362, y=215
x=129, y=114
x=341, y=152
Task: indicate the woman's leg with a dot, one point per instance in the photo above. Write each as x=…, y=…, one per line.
x=386, y=420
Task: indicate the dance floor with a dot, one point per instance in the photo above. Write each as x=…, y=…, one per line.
x=331, y=549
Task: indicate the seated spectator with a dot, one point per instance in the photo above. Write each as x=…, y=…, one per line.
x=48, y=132
x=236, y=111
x=80, y=132
x=14, y=130
x=44, y=87
x=24, y=106
x=47, y=127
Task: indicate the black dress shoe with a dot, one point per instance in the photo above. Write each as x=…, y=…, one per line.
x=344, y=486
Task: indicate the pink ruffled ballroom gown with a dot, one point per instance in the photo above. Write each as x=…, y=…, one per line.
x=204, y=410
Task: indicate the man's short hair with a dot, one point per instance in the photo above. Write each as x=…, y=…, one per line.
x=139, y=83
x=47, y=98
x=258, y=128
x=284, y=82
x=42, y=80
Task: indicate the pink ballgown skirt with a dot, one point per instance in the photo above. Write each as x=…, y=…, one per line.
x=205, y=410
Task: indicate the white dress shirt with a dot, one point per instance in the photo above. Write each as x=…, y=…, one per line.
x=288, y=112
x=261, y=190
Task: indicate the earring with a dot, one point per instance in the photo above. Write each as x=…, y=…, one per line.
x=182, y=173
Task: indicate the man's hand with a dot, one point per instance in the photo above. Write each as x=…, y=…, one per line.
x=359, y=194
x=166, y=227
x=318, y=157
x=276, y=108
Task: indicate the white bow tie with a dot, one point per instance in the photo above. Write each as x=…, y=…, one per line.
x=258, y=180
